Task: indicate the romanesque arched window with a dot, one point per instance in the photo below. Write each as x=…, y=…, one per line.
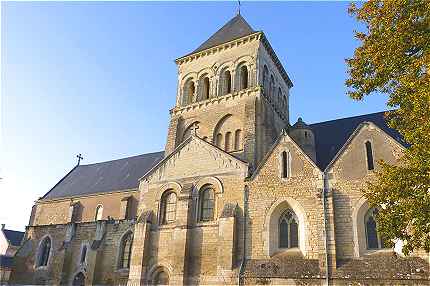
x=285, y=164
x=204, y=87
x=125, y=251
x=369, y=155
x=161, y=278
x=288, y=230
x=227, y=142
x=280, y=98
x=83, y=254
x=188, y=92
x=79, y=279
x=218, y=141
x=99, y=212
x=243, y=77
x=265, y=79
x=225, y=87
x=206, y=203
x=44, y=252
x=237, y=139
x=373, y=239
x=168, y=207
x=272, y=87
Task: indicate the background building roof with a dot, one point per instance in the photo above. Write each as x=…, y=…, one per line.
x=14, y=237
x=116, y=175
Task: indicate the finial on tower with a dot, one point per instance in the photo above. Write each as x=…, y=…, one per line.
x=238, y=7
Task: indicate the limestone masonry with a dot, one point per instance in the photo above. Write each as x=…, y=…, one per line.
x=239, y=195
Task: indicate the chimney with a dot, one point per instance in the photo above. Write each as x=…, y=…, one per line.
x=2, y=226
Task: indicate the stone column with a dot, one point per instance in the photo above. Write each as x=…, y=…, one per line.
x=140, y=246
x=180, y=236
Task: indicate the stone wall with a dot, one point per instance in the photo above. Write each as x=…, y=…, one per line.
x=58, y=211
x=100, y=267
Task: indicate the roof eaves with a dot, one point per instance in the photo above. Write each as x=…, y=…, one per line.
x=271, y=150
x=62, y=179
x=218, y=46
x=180, y=146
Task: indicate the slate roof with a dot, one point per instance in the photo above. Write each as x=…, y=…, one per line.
x=14, y=237
x=104, y=177
x=6, y=261
x=330, y=136
x=236, y=28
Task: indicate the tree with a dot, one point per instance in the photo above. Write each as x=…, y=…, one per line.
x=394, y=59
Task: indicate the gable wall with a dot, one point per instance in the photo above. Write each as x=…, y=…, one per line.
x=267, y=189
x=348, y=177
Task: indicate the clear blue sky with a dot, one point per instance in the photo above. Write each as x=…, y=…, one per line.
x=100, y=78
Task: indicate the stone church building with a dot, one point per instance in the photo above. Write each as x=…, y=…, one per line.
x=240, y=195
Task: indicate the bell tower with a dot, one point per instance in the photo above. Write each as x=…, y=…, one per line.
x=232, y=92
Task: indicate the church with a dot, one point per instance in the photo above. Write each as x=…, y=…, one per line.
x=239, y=195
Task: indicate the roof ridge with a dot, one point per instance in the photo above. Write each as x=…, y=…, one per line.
x=237, y=27
x=349, y=117
x=103, y=162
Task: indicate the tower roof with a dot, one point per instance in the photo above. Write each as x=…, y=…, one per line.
x=236, y=28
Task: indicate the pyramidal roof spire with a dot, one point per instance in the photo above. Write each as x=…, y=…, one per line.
x=236, y=28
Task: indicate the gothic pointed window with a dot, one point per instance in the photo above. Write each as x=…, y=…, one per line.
x=238, y=140
x=168, y=207
x=125, y=251
x=288, y=230
x=243, y=77
x=286, y=164
x=44, y=252
x=228, y=142
x=373, y=238
x=369, y=155
x=207, y=203
x=99, y=213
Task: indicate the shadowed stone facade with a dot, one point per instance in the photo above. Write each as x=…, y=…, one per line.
x=239, y=196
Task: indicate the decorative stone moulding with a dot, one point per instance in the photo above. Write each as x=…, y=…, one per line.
x=215, y=100
x=220, y=48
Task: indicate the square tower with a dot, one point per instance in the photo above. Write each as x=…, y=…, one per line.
x=233, y=92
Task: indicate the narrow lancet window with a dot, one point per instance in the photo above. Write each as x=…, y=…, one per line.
x=369, y=155
x=286, y=164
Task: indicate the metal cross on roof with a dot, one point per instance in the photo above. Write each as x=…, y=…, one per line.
x=194, y=128
x=79, y=156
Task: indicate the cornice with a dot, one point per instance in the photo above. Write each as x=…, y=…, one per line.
x=215, y=100
x=65, y=199
x=219, y=48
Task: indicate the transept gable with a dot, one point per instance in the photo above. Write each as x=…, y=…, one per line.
x=366, y=131
x=283, y=143
x=195, y=157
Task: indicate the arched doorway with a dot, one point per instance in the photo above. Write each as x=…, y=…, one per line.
x=161, y=278
x=79, y=279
